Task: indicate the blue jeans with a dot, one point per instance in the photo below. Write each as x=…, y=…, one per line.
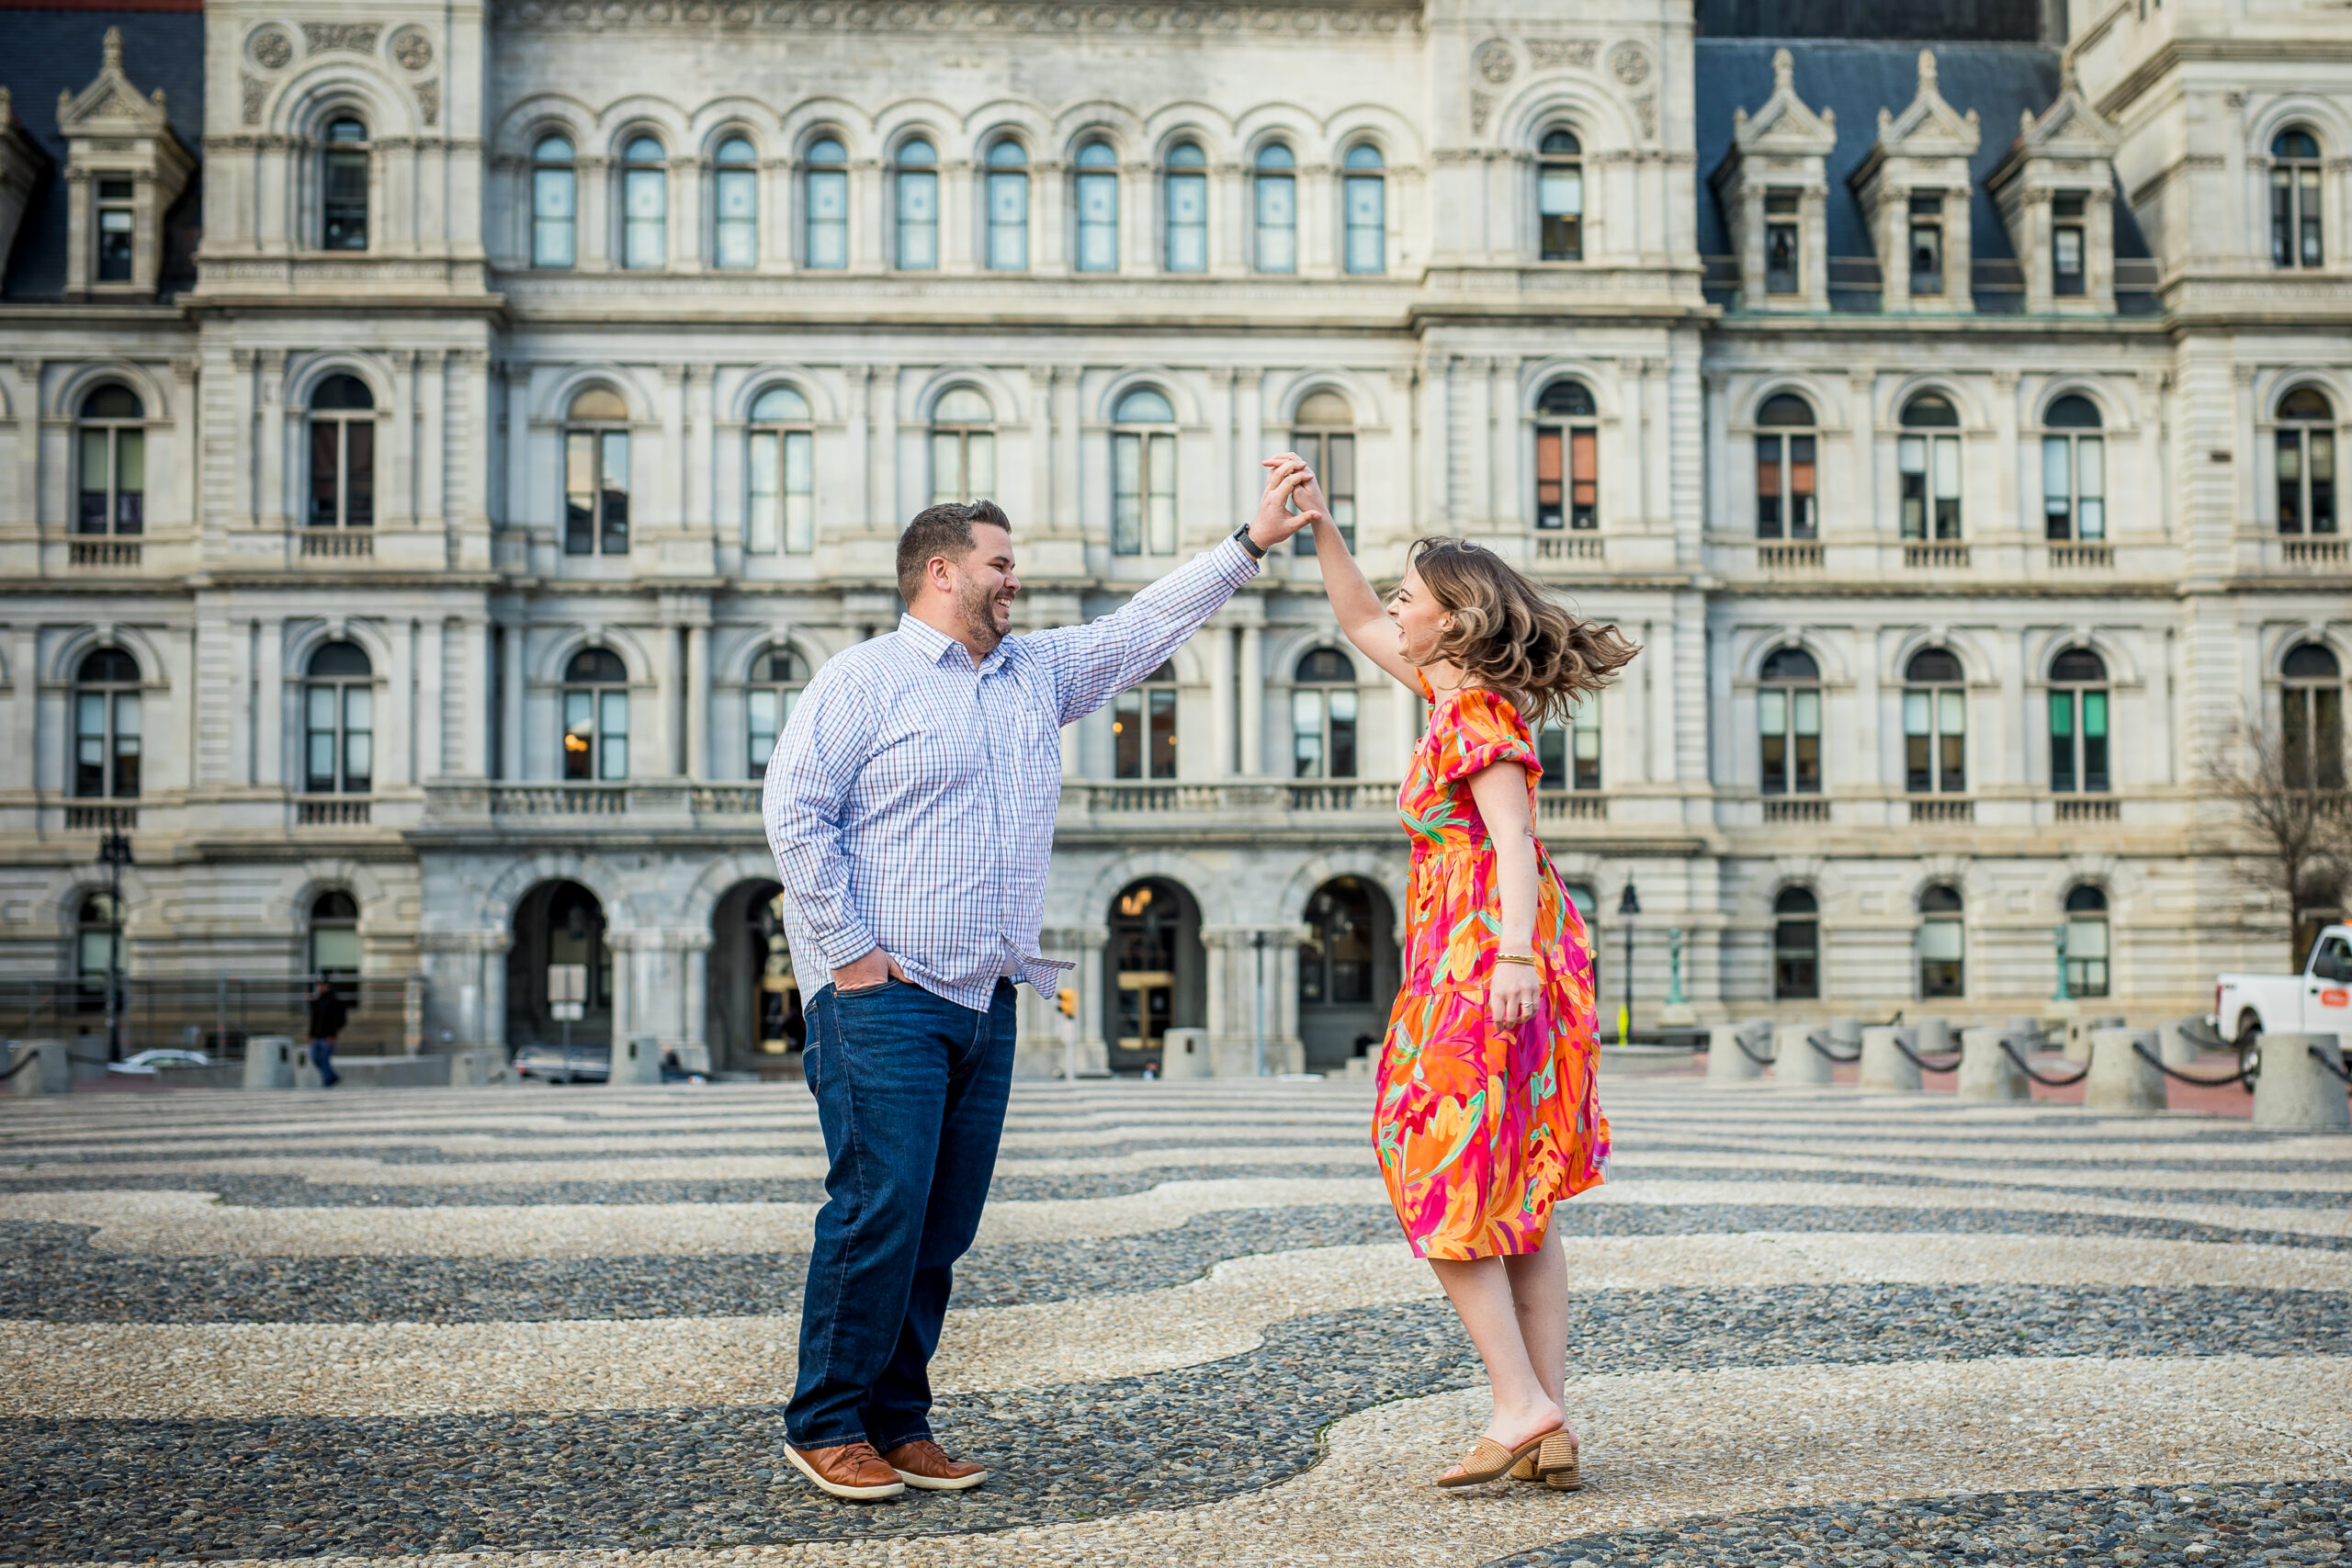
x=911, y=1089
x=322, y=1058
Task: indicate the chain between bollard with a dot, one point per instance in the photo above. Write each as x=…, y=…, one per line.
x=2027, y=1068
x=2335, y=1068
x=1821, y=1046
x=1741, y=1041
x=2244, y=1074
x=1924, y=1065
x=27, y=1060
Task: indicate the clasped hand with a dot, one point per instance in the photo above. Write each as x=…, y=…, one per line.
x=1514, y=994
x=1288, y=479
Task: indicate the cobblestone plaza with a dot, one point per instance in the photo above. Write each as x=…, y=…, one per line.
x=556, y=1327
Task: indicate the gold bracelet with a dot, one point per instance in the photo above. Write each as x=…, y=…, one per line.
x=1527, y=958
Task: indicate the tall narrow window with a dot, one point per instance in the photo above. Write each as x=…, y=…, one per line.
x=2306, y=452
x=1276, y=187
x=105, y=726
x=2069, y=273
x=1323, y=717
x=1143, y=729
x=780, y=511
x=736, y=227
x=825, y=198
x=1559, y=196
x=596, y=715
x=335, y=939
x=1783, y=252
x=917, y=183
x=1007, y=207
x=596, y=475
x=343, y=454
x=1927, y=214
x=1363, y=202
x=113, y=439
x=1942, y=941
x=645, y=205
x=777, y=677
x=2086, y=945
x=555, y=204
x=118, y=220
x=2294, y=200
x=1335, y=962
x=2312, y=715
x=1143, y=474
x=342, y=187
x=1187, y=187
x=1935, y=725
x=1567, y=457
x=1098, y=208
x=338, y=722
x=1796, y=945
x=1785, y=469
x=1569, y=754
x=963, y=446
x=2078, y=703
x=1324, y=434
x=1788, y=721
x=1929, y=462
x=98, y=958
x=2073, y=470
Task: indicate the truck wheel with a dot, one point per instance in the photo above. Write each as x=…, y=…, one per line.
x=2249, y=1031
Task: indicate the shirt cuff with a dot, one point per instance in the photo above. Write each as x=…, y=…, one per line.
x=846, y=946
x=1235, y=561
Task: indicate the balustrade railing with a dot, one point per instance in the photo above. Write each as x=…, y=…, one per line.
x=1943, y=811
x=2086, y=810
x=1571, y=805
x=1783, y=810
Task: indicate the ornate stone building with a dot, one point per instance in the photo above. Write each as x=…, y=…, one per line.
x=444, y=437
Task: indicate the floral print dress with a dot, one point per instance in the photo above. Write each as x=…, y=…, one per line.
x=1480, y=1130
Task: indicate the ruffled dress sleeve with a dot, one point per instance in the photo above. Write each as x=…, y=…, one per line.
x=1484, y=729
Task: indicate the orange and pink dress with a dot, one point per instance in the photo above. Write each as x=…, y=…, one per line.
x=1480, y=1130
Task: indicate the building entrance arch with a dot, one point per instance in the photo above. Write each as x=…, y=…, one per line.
x=1347, y=972
x=1157, y=976
x=559, y=926
x=755, y=1022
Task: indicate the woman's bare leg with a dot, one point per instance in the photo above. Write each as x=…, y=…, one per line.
x=1539, y=1294
x=1480, y=1289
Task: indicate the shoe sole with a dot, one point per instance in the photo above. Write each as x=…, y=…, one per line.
x=933, y=1483
x=847, y=1493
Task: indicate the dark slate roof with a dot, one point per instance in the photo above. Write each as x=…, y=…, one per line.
x=43, y=52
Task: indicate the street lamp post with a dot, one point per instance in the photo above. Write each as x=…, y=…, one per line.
x=114, y=853
x=1629, y=904
x=1258, y=941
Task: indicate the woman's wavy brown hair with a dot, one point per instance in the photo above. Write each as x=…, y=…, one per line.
x=1509, y=638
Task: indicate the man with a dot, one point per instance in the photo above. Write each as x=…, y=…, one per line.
x=911, y=806
x=328, y=1015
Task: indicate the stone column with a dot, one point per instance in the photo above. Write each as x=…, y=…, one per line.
x=511, y=701
x=1253, y=702
x=270, y=718
x=432, y=709
x=889, y=507
x=698, y=765
x=272, y=505
x=694, y=1051
x=1094, y=1052
x=1221, y=704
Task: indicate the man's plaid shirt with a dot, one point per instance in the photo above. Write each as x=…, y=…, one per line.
x=911, y=799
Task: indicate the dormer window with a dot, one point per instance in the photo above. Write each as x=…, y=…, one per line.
x=1784, y=260
x=124, y=168
x=2067, y=246
x=117, y=230
x=343, y=186
x=1926, y=241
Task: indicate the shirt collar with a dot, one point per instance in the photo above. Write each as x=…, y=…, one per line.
x=935, y=646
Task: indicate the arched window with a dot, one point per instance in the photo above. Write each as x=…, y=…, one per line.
x=596, y=715
x=2312, y=715
x=1567, y=457
x=917, y=179
x=343, y=187
x=1007, y=207
x=963, y=446
x=334, y=937
x=1098, y=208
x=736, y=226
x=645, y=205
x=555, y=204
x=1143, y=729
x=1788, y=717
x=1796, y=945
x=338, y=722
x=343, y=454
x=1276, y=186
x=1569, y=754
x=1335, y=962
x=2073, y=470
x=1324, y=434
x=2294, y=200
x=1935, y=724
x=1559, y=195
x=105, y=726
x=97, y=949
x=825, y=198
x=777, y=677
x=781, y=495
x=113, y=463
x=1363, y=203
x=2306, y=452
x=1143, y=474
x=1186, y=187
x=2078, y=722
x=2086, y=946
x=1942, y=942
x=1785, y=469
x=596, y=475
x=1323, y=717
x=1928, y=461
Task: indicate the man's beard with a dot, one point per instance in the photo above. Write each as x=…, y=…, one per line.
x=978, y=607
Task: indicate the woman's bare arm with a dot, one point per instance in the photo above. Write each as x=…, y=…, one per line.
x=1500, y=790
x=1353, y=603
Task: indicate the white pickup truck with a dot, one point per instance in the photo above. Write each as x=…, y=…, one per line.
x=2317, y=1001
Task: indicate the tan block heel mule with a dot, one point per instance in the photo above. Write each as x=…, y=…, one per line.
x=1489, y=1461
x=1553, y=1462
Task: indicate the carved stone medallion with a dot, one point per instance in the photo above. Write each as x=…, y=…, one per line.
x=413, y=47
x=1496, y=61
x=270, y=48
x=1629, y=64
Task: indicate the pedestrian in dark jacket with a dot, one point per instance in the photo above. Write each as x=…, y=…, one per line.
x=328, y=1015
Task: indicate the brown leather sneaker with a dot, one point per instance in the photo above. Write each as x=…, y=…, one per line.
x=926, y=1465
x=852, y=1470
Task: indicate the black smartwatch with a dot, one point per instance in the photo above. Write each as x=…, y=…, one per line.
x=1248, y=543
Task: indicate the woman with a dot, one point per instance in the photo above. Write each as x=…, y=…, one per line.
x=1487, y=1112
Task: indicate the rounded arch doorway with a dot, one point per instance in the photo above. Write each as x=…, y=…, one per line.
x=1157, y=976
x=1347, y=972
x=753, y=1000
x=559, y=946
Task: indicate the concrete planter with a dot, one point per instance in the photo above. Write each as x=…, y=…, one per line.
x=1795, y=1061
x=2121, y=1081
x=1884, y=1067
x=1987, y=1073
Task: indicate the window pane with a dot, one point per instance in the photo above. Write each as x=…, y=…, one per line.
x=1098, y=223
x=326, y=461
x=359, y=472
x=1768, y=487
x=1306, y=734
x=1126, y=736
x=1584, y=486
x=737, y=219
x=1807, y=711
x=1951, y=712
x=2062, y=741
x=1802, y=522
x=1367, y=206
x=1160, y=476
x=1940, y=939
x=828, y=218
x=2323, y=507
x=1127, y=494
x=1918, y=716
x=1947, y=466
x=799, y=492
x=918, y=220
x=946, y=466
x=1343, y=734
x=1162, y=715
x=645, y=196
x=1188, y=235
x=1277, y=223
x=1008, y=221
x=1552, y=756
x=613, y=538
x=763, y=523
x=580, y=491
x=979, y=463
x=1550, y=478
x=579, y=733
x=611, y=735
x=554, y=195
x=94, y=473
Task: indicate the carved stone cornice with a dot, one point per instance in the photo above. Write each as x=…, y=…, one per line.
x=1177, y=17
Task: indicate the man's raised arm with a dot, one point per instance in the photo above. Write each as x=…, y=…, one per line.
x=806, y=803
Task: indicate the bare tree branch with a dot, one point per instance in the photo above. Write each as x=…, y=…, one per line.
x=2305, y=855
